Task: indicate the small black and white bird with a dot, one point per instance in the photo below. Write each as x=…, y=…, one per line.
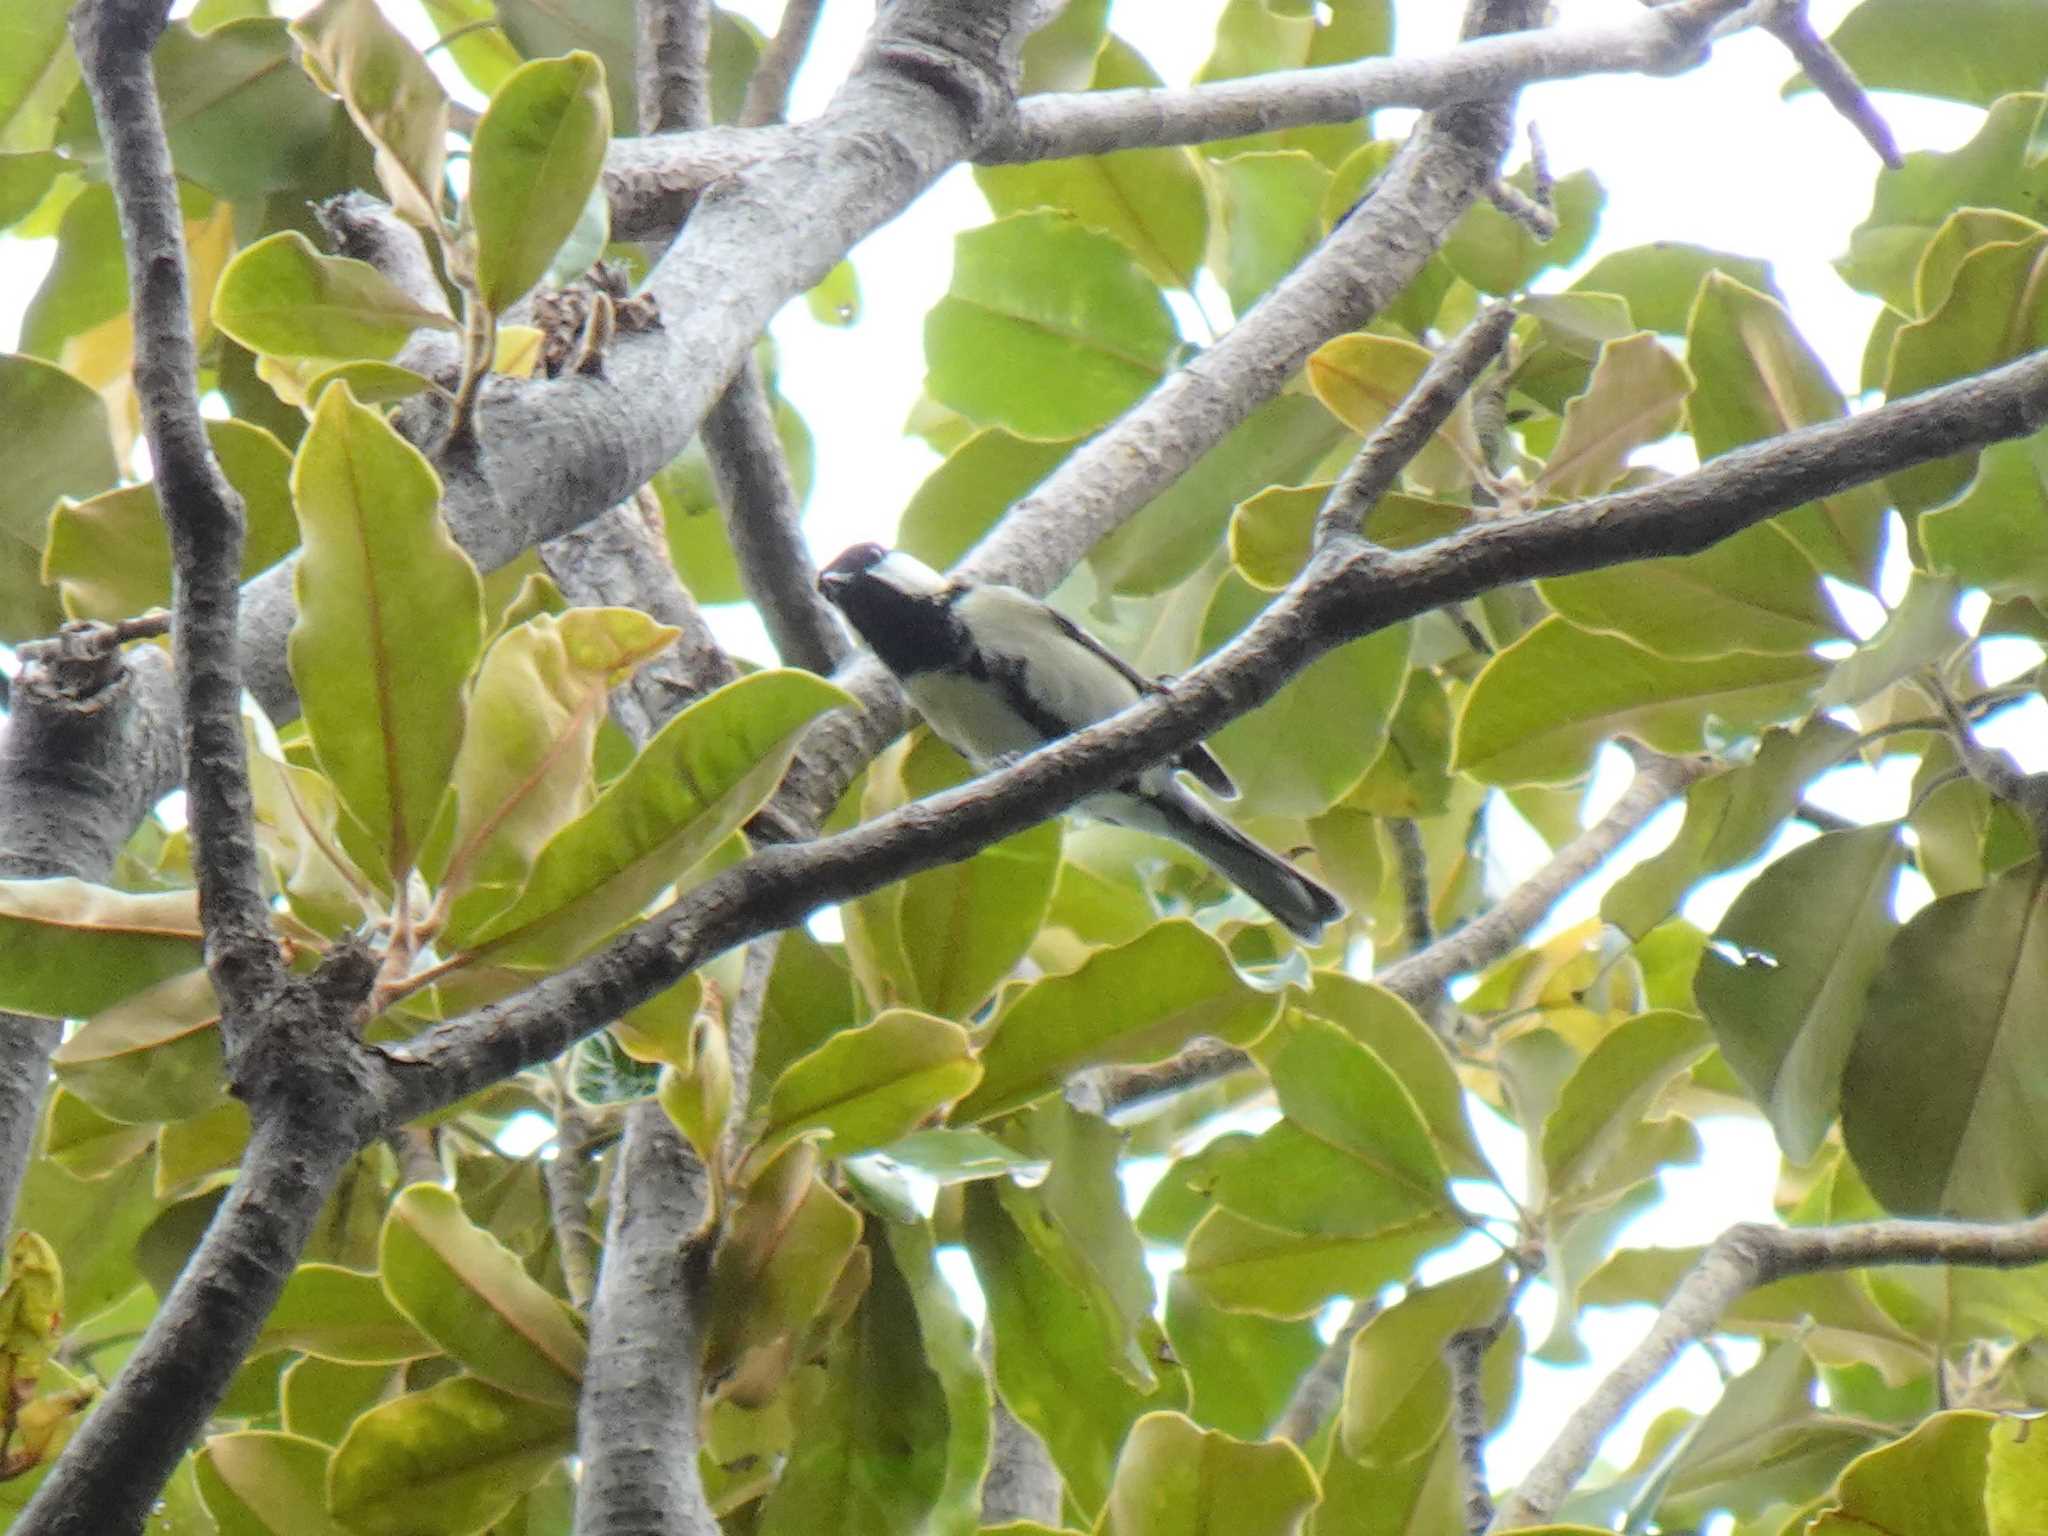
x=996, y=673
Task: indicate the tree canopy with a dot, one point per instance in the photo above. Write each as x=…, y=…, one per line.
x=369, y=458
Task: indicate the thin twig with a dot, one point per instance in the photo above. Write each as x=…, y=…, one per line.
x=768, y=91
x=1740, y=1260
x=1397, y=440
x=1832, y=77
x=1321, y=1386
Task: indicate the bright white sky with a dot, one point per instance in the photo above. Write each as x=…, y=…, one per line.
x=1714, y=156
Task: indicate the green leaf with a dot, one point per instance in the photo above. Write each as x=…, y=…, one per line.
x=1958, y=1143
x=835, y=301
x=1728, y=820
x=2015, y=1478
x=1397, y=1389
x=342, y=1315
x=960, y=500
x=1268, y=216
x=322, y=1398
x=523, y=771
x=110, y=558
x=451, y=1459
x=1050, y=1363
x=1994, y=311
x=1270, y=534
x=1542, y=707
x=1968, y=50
x=958, y=1157
x=1137, y=1003
x=1611, y=1094
x=280, y=296
x=1174, y=1477
x=1247, y=1266
x=787, y=1245
x=948, y=1340
x=699, y=779
x=1241, y=1367
x=1919, y=632
x=1999, y=167
x=1498, y=254
x=1290, y=756
x=1362, y=378
x=1412, y=1051
x=154, y=1056
x=1171, y=536
x=469, y=1293
x=391, y=93
x=1661, y=281
x=259, y=1483
x=56, y=444
x=865, y=1087
x=1930, y=1483
x=534, y=160
x=87, y=1144
x=1149, y=200
x=1352, y=1158
x=1995, y=535
x=1048, y=329
x=242, y=118
x=1060, y=56
x=390, y=621
x=1758, y=378
x=70, y=948
x=872, y=1454
x=1636, y=396
x=946, y=937
x=37, y=71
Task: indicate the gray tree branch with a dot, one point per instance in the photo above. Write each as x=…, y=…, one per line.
x=1741, y=1259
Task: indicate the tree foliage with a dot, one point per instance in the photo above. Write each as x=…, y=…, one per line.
x=475, y=790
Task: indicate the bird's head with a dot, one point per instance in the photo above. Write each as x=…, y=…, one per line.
x=871, y=569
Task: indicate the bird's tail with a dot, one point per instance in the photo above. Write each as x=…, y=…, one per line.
x=1302, y=906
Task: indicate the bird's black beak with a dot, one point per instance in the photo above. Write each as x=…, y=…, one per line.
x=849, y=563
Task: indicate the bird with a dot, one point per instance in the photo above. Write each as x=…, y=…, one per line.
x=996, y=673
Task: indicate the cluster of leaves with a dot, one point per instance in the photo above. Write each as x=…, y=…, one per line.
x=455, y=785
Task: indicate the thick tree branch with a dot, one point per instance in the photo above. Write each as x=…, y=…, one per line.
x=642, y=1382
x=673, y=75
x=1342, y=595
x=201, y=511
x=1741, y=1259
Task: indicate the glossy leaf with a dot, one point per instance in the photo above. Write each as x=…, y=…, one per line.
x=153, y=1056
x=1137, y=1003
x=1361, y=379
x=523, y=771
x=1242, y=1368
x=260, y=1483
x=1931, y=1483
x=466, y=1291
x=960, y=500
x=533, y=163
x=865, y=1087
x=56, y=445
x=452, y=1458
x=70, y=948
x=1757, y=378
x=1269, y=215
x=1149, y=200
x=1049, y=1364
x=1499, y=254
x=282, y=296
x=1300, y=751
x=1544, y=705
x=1636, y=396
x=1175, y=1477
x=390, y=621
x=1971, y=50
x=342, y=1315
x=1048, y=328
x=1661, y=281
x=243, y=120
x=351, y=49
x=1995, y=535
x=1397, y=1389
x=1957, y=1144
x=37, y=71
x=1611, y=1093
x=1247, y=1266
x=702, y=775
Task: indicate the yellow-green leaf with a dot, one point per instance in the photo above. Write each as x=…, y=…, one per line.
x=154, y=1056
x=281, y=296
x=260, y=1483
x=391, y=93
x=865, y=1087
x=1175, y=1477
x=1137, y=1003
x=535, y=158
x=467, y=1292
x=390, y=620
x=69, y=948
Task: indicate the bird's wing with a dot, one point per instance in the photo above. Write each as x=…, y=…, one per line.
x=1197, y=759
